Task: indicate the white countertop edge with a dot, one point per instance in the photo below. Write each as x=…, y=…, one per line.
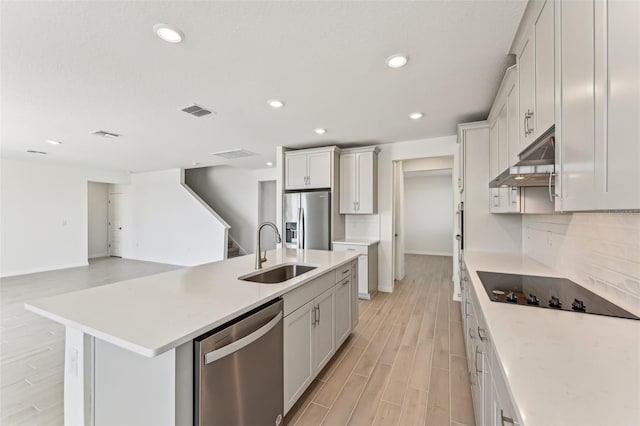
x=358, y=241
x=153, y=352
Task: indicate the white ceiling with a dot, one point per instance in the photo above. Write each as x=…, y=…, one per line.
x=72, y=67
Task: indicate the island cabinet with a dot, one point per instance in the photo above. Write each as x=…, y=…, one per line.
x=598, y=64
x=308, y=168
x=358, y=180
x=535, y=61
x=317, y=320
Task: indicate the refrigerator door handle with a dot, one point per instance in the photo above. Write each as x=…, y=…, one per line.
x=301, y=233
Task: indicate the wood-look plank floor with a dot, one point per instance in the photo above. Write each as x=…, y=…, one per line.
x=405, y=362
x=32, y=347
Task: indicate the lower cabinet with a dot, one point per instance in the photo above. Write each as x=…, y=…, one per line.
x=491, y=401
x=319, y=316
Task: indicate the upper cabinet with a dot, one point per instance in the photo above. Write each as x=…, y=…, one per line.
x=308, y=169
x=598, y=105
x=358, y=181
x=535, y=60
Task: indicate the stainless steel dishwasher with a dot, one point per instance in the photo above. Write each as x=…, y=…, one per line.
x=239, y=371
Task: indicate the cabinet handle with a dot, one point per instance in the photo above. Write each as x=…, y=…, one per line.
x=482, y=331
x=357, y=205
x=466, y=311
x=471, y=336
x=530, y=117
x=315, y=318
x=504, y=419
x=345, y=282
x=524, y=124
x=496, y=201
x=552, y=194
x=476, y=360
x=318, y=314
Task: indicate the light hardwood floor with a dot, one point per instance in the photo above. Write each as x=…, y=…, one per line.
x=404, y=364
x=32, y=347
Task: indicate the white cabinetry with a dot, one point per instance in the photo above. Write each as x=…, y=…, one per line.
x=598, y=64
x=318, y=317
x=308, y=169
x=536, y=77
x=343, y=309
x=492, y=404
x=358, y=181
x=367, y=266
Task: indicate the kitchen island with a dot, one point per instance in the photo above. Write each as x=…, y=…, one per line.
x=129, y=344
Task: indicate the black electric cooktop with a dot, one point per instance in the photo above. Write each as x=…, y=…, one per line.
x=547, y=292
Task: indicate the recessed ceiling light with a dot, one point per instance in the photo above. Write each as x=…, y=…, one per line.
x=416, y=115
x=52, y=142
x=519, y=178
x=397, y=61
x=269, y=164
x=275, y=103
x=195, y=163
x=168, y=33
x=504, y=186
x=320, y=131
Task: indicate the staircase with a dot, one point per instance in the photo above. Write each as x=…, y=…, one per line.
x=232, y=249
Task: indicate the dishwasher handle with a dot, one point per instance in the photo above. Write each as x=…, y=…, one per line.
x=241, y=343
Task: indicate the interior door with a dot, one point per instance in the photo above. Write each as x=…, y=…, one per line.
x=316, y=220
x=115, y=225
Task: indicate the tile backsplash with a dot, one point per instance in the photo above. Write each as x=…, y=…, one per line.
x=362, y=226
x=601, y=251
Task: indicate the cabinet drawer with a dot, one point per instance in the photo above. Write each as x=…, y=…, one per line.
x=298, y=297
x=351, y=247
x=343, y=272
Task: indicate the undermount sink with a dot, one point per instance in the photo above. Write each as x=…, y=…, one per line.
x=278, y=274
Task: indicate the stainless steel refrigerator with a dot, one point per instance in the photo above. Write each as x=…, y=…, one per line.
x=307, y=220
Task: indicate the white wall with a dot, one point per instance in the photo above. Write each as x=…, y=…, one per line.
x=98, y=219
x=600, y=251
x=443, y=146
x=428, y=213
x=43, y=214
x=170, y=224
x=233, y=194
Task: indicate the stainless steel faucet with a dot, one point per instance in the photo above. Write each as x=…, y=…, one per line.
x=259, y=257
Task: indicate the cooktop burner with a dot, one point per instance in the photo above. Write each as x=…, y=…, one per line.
x=547, y=292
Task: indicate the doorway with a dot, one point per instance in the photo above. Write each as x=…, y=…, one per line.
x=411, y=167
x=267, y=211
x=97, y=219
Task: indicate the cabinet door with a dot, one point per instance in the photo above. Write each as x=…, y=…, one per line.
x=526, y=91
x=363, y=276
x=544, y=70
x=355, y=311
x=577, y=105
x=513, y=121
x=503, y=142
x=618, y=143
x=343, y=310
x=488, y=409
x=494, y=149
x=298, y=367
x=319, y=169
x=365, y=194
x=324, y=332
x=295, y=171
x=348, y=184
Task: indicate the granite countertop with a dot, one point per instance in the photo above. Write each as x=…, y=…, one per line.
x=563, y=368
x=153, y=314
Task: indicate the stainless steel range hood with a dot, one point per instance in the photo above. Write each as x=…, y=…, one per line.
x=536, y=166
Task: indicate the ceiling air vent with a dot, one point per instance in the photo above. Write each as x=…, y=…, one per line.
x=234, y=154
x=196, y=110
x=105, y=134
x=33, y=151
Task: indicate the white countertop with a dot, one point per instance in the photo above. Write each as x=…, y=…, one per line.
x=153, y=314
x=563, y=368
x=358, y=241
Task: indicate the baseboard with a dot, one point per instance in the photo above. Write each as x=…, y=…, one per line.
x=36, y=270
x=95, y=256
x=385, y=289
x=429, y=253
